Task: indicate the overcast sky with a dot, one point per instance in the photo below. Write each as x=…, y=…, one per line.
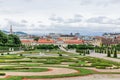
x=60, y=16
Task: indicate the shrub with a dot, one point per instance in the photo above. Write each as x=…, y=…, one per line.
x=60, y=55
x=47, y=47
x=80, y=63
x=2, y=54
x=68, y=60
x=102, y=64
x=8, y=53
x=21, y=54
x=108, y=54
x=75, y=65
x=100, y=67
x=10, y=57
x=52, y=61
x=2, y=61
x=7, y=68
x=115, y=54
x=2, y=74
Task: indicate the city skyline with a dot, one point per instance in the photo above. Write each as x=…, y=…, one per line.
x=89, y=17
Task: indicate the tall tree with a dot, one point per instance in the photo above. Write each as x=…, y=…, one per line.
x=115, y=54
x=36, y=38
x=3, y=38
x=14, y=40
x=108, y=53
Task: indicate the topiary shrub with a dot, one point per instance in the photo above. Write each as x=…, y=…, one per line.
x=2, y=74
x=21, y=54
x=52, y=61
x=101, y=64
x=108, y=54
x=7, y=68
x=8, y=53
x=2, y=54
x=100, y=67
x=115, y=54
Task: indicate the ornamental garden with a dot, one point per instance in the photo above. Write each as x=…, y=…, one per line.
x=20, y=62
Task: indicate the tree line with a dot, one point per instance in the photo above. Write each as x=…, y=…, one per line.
x=10, y=40
x=49, y=47
x=80, y=47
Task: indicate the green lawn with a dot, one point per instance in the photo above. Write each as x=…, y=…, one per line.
x=21, y=69
x=28, y=64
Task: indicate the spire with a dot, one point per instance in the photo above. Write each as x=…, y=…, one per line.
x=11, y=31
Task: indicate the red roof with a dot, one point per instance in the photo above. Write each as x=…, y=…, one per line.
x=50, y=41
x=27, y=41
x=46, y=41
x=74, y=41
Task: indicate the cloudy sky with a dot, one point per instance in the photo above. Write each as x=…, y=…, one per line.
x=89, y=17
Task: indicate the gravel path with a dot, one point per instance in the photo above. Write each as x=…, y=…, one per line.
x=52, y=71
x=90, y=77
x=93, y=54
x=104, y=56
x=2, y=76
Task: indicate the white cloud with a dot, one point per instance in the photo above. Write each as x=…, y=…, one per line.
x=103, y=3
x=76, y=19
x=104, y=20
x=34, y=16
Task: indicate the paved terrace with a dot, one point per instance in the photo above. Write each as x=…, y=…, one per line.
x=104, y=56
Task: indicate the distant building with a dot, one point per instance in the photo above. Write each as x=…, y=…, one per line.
x=74, y=42
x=67, y=37
x=59, y=41
x=28, y=42
x=46, y=41
x=77, y=34
x=99, y=41
x=54, y=35
x=111, y=35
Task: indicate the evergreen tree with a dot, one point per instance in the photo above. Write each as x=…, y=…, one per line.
x=3, y=38
x=88, y=52
x=108, y=53
x=105, y=51
x=115, y=54
x=36, y=38
x=84, y=52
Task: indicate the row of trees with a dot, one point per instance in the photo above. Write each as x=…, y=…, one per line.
x=107, y=50
x=84, y=49
x=117, y=47
x=80, y=47
x=47, y=47
x=114, y=52
x=83, y=52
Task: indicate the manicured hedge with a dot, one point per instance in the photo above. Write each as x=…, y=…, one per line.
x=52, y=61
x=23, y=69
x=100, y=67
x=102, y=64
x=2, y=74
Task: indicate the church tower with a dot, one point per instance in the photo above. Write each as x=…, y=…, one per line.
x=11, y=31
